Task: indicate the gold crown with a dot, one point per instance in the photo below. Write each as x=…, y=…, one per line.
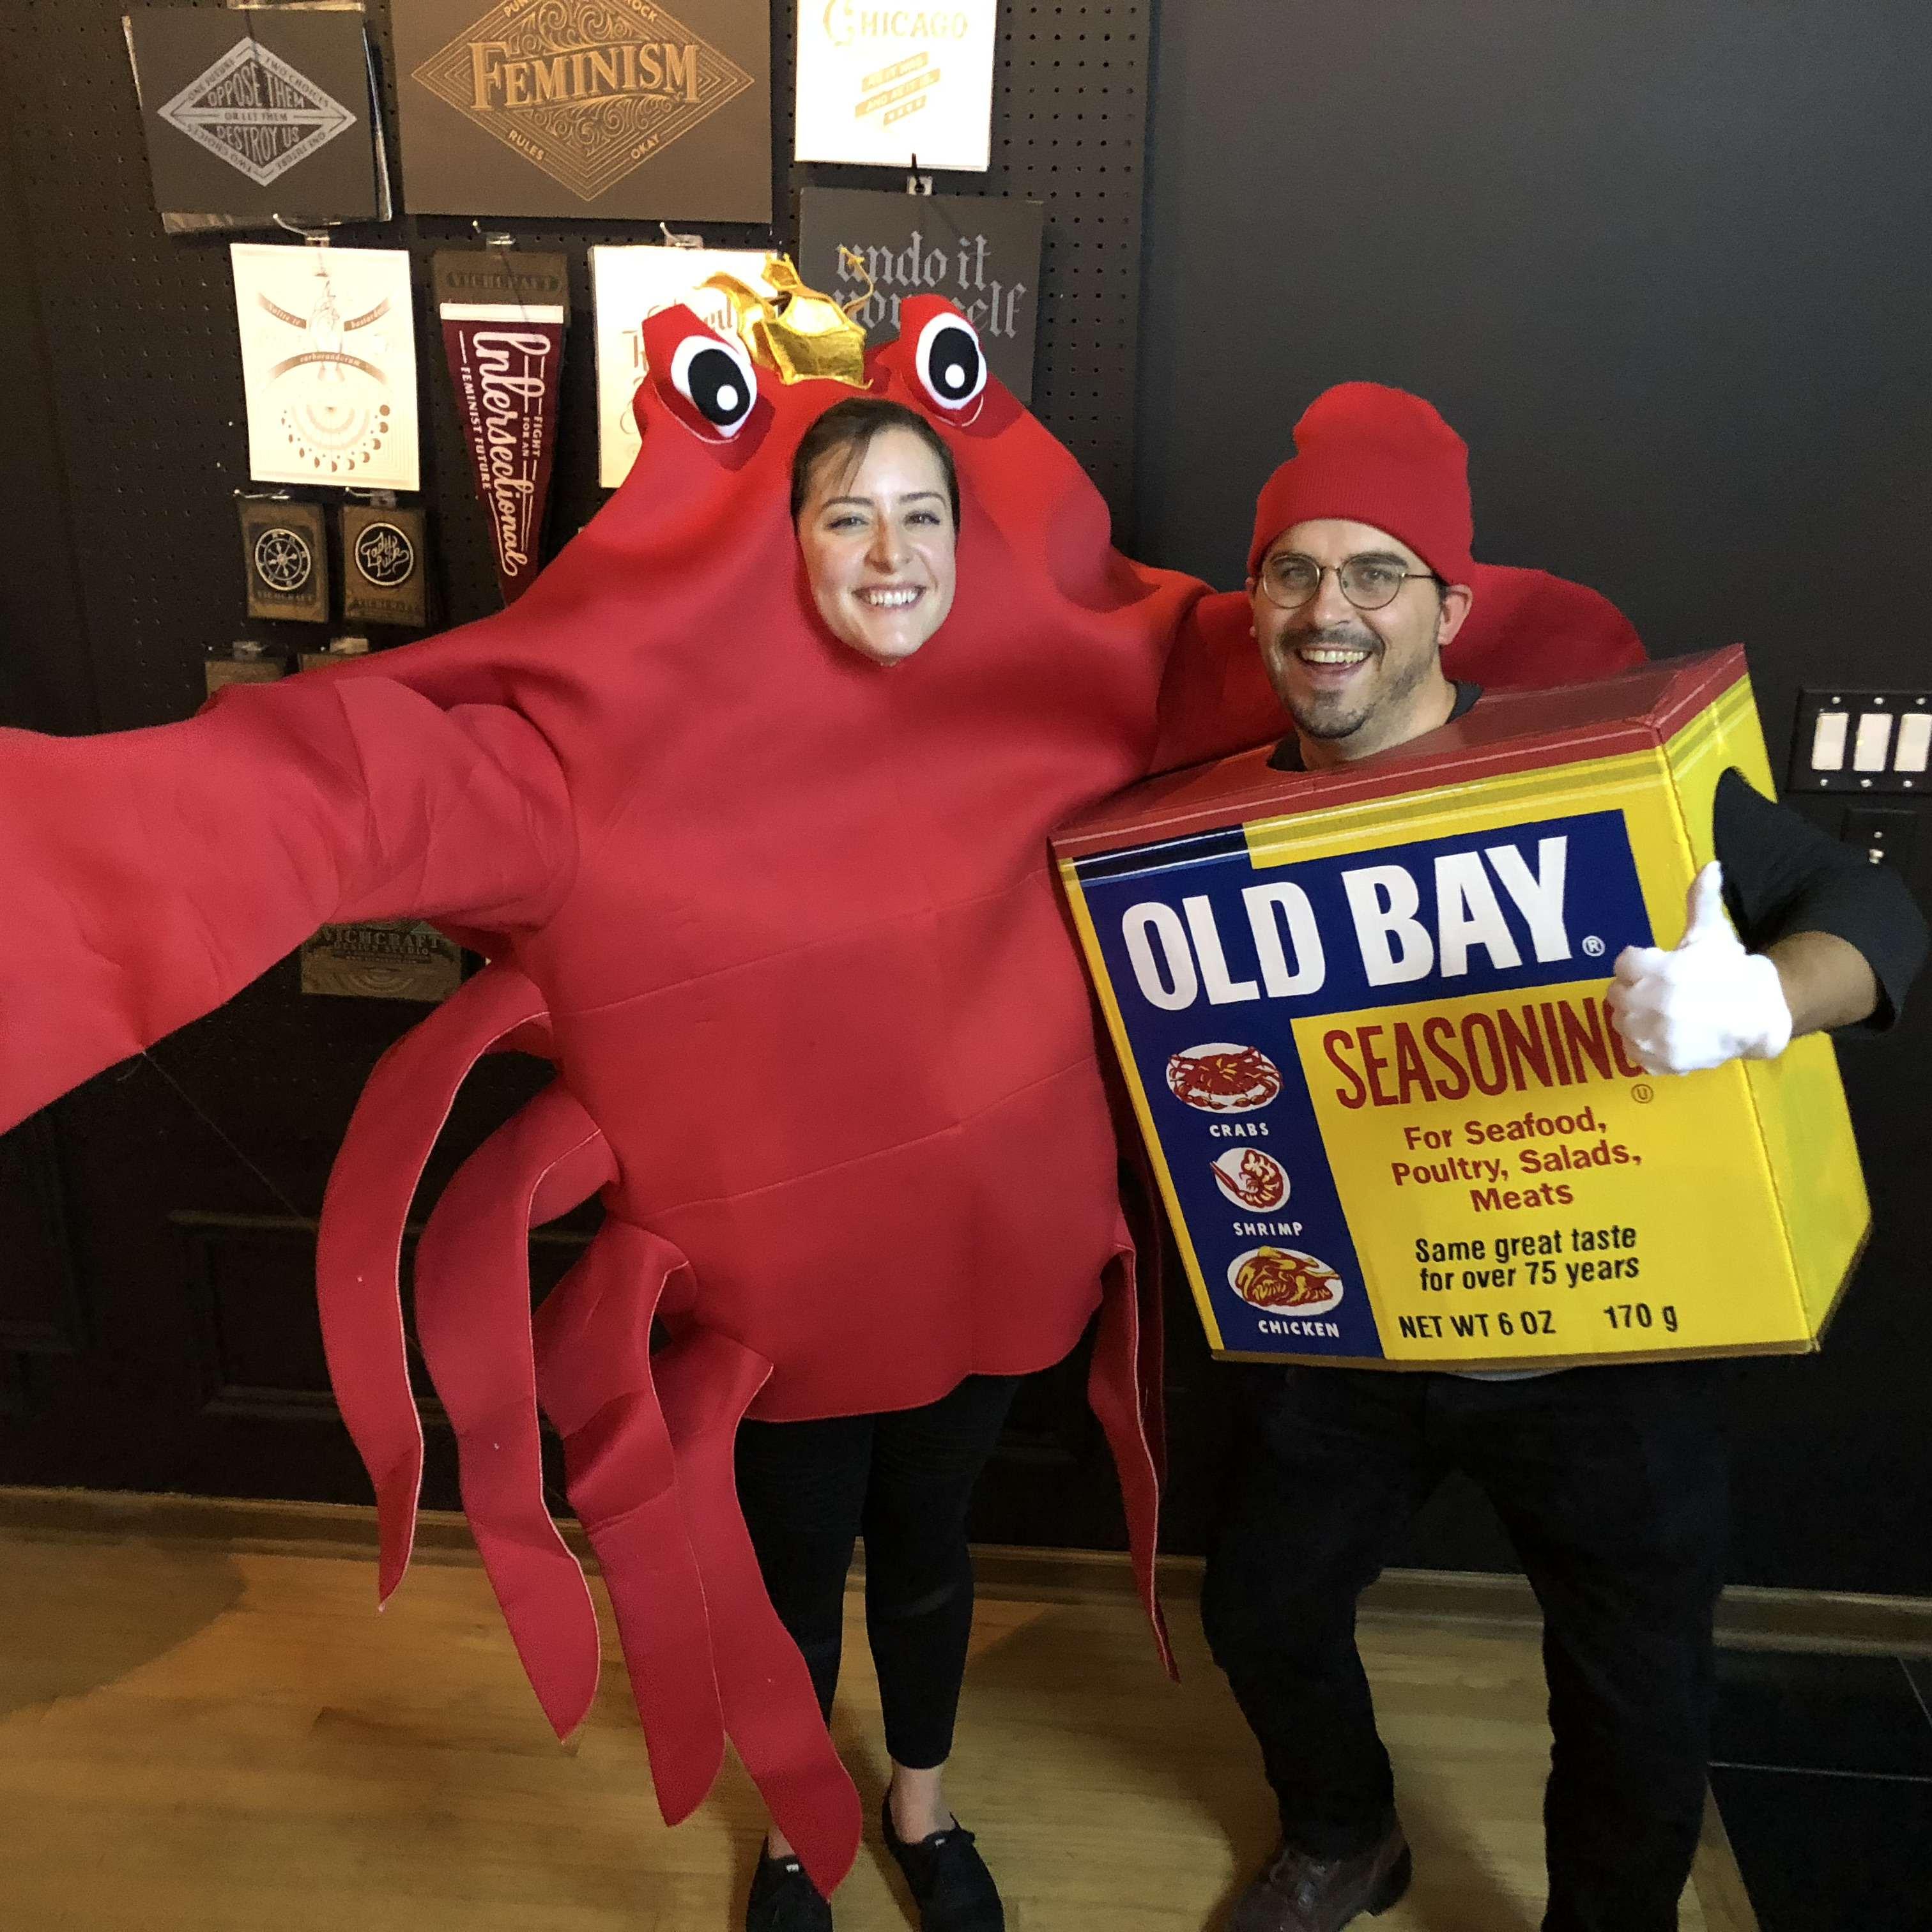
x=797, y=332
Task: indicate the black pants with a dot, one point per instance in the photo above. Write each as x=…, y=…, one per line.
x=1612, y=1483
x=809, y=1489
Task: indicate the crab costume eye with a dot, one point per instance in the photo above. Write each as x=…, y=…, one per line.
x=714, y=376
x=949, y=361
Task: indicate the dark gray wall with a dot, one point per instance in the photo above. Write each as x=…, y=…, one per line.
x=1665, y=267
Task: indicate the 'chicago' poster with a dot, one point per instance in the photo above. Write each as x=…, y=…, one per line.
x=328, y=362
x=585, y=110
x=884, y=84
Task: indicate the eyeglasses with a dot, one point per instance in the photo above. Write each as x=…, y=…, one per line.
x=1290, y=579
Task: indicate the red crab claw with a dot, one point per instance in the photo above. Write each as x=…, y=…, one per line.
x=594, y=1380
x=358, y=1245
x=1526, y=630
x=472, y=1310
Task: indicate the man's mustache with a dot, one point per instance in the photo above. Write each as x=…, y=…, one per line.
x=1335, y=637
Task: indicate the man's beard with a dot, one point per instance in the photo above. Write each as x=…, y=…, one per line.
x=1335, y=714
x=1341, y=715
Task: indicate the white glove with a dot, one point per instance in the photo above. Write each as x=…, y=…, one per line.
x=1707, y=1002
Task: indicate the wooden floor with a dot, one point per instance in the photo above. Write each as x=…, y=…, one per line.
x=195, y=1738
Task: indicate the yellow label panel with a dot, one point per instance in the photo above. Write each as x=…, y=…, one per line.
x=1566, y=1212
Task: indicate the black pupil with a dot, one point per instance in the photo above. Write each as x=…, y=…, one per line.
x=953, y=362
x=718, y=386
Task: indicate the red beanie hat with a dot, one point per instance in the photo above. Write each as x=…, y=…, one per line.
x=1380, y=456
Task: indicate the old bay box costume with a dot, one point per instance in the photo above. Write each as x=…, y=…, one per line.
x=1362, y=1013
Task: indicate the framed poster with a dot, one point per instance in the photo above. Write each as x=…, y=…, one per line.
x=980, y=253
x=883, y=84
x=328, y=364
x=628, y=284
x=285, y=559
x=254, y=111
x=382, y=577
x=629, y=109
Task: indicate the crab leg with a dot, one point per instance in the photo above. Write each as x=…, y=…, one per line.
x=648, y=1442
x=1123, y=1389
x=594, y=1376
x=771, y=1711
x=358, y=1245
x=473, y=1311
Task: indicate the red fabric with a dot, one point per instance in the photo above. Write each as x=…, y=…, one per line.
x=358, y=1248
x=473, y=1297
x=1527, y=630
x=784, y=923
x=596, y=1380
x=1374, y=455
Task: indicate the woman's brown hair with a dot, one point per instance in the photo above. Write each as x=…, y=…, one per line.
x=848, y=428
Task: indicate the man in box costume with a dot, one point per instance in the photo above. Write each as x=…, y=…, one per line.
x=1611, y=1480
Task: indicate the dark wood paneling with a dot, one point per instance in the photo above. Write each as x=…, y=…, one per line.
x=40, y=1306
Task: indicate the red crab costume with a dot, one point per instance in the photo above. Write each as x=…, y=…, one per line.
x=784, y=923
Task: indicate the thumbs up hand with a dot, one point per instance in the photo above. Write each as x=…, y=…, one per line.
x=1705, y=1002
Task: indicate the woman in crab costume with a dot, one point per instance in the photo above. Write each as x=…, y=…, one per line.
x=782, y=920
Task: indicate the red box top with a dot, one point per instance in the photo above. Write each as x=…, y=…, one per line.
x=1509, y=731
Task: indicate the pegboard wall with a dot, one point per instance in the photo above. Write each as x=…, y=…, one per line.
x=143, y=372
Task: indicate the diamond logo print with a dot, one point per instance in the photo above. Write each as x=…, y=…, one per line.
x=587, y=90
x=259, y=114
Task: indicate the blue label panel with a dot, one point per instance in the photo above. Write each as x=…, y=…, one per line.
x=1212, y=960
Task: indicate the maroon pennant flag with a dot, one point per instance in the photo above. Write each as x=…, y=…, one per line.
x=503, y=320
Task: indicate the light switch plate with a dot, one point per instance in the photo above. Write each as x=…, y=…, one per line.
x=1858, y=742
x=1886, y=834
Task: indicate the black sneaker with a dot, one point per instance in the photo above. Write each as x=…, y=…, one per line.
x=783, y=1899
x=948, y=1879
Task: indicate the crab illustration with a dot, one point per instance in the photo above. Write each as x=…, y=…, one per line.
x=783, y=923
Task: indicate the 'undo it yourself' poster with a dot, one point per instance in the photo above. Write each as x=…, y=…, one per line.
x=1362, y=1015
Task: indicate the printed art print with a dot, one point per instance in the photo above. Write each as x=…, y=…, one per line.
x=328, y=364
x=873, y=248
x=504, y=314
x=629, y=285
x=254, y=111
x=626, y=109
x=881, y=84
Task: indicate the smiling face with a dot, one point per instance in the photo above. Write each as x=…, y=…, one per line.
x=879, y=543
x=1356, y=681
